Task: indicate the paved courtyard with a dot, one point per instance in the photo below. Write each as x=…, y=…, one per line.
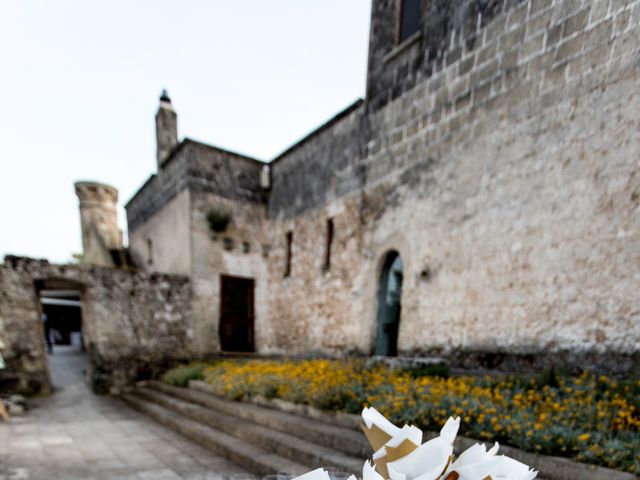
x=74, y=434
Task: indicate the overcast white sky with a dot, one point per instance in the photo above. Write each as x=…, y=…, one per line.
x=80, y=81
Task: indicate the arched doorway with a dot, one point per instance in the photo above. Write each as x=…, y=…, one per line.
x=60, y=310
x=389, y=293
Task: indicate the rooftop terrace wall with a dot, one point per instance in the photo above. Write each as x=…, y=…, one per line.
x=199, y=166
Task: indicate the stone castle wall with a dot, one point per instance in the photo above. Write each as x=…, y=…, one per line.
x=524, y=198
x=496, y=152
x=507, y=180
x=446, y=29
x=319, y=167
x=132, y=323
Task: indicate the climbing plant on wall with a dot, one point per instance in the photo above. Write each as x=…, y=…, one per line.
x=218, y=219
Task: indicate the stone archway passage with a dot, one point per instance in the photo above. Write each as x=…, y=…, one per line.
x=389, y=306
x=132, y=322
x=62, y=317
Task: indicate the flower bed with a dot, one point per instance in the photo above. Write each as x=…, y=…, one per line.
x=592, y=419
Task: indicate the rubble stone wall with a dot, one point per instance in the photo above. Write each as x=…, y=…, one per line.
x=133, y=323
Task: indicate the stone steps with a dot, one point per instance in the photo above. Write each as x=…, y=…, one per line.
x=250, y=434
x=250, y=457
x=258, y=438
x=347, y=440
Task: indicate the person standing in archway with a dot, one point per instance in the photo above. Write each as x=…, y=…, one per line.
x=389, y=305
x=3, y=410
x=47, y=332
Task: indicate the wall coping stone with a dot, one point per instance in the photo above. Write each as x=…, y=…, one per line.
x=398, y=49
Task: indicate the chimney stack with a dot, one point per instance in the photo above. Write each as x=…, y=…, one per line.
x=166, y=128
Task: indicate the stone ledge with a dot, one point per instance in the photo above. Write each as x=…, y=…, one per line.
x=551, y=468
x=402, y=47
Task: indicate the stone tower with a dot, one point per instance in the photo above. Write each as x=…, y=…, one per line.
x=166, y=128
x=101, y=236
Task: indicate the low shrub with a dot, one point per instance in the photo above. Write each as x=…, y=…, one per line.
x=218, y=219
x=181, y=375
x=590, y=418
x=436, y=370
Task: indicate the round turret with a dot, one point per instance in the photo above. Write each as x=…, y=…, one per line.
x=99, y=221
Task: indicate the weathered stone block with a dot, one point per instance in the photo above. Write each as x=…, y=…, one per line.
x=554, y=34
x=599, y=34
x=509, y=59
x=466, y=65
x=576, y=22
x=487, y=53
x=462, y=101
x=538, y=24
x=481, y=93
x=533, y=46
x=512, y=38
x=621, y=21
x=539, y=5
x=599, y=10
x=486, y=72
x=569, y=48
x=564, y=8
x=495, y=29
x=517, y=16
x=595, y=58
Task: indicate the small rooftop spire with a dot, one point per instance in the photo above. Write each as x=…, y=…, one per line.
x=164, y=97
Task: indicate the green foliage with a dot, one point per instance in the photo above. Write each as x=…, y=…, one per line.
x=181, y=375
x=218, y=219
x=590, y=418
x=548, y=377
x=440, y=370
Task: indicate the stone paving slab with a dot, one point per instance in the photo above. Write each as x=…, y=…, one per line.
x=75, y=435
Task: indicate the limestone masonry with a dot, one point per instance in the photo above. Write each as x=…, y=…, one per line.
x=132, y=322
x=480, y=204
x=496, y=152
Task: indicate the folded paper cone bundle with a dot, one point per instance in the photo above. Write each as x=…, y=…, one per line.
x=376, y=436
x=399, y=454
x=393, y=454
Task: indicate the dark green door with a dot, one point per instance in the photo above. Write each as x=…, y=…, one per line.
x=389, y=293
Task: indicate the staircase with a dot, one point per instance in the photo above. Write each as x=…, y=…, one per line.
x=260, y=439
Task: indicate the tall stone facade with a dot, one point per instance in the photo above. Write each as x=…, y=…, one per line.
x=496, y=153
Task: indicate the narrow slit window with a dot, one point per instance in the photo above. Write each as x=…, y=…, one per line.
x=287, y=266
x=149, y=251
x=409, y=19
x=327, y=252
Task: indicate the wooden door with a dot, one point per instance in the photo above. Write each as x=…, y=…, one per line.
x=236, y=314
